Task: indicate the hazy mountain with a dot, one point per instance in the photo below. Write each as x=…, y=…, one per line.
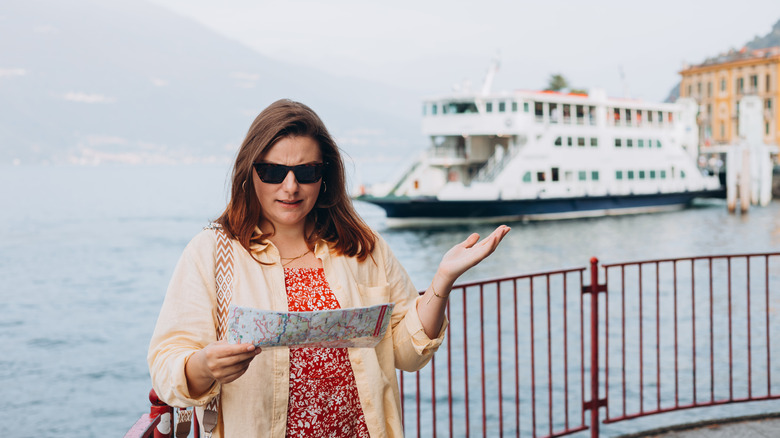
x=771, y=39
x=125, y=80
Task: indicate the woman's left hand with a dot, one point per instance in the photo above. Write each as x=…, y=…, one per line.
x=465, y=255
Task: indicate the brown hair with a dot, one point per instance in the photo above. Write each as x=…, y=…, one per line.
x=333, y=217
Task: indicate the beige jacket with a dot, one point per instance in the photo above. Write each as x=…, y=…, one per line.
x=256, y=403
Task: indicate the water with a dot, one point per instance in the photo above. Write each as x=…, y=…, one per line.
x=86, y=254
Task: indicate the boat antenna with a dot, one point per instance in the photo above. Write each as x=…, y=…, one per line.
x=624, y=82
x=491, y=73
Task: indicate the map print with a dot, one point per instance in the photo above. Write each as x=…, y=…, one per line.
x=359, y=327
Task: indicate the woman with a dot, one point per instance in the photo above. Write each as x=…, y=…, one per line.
x=298, y=244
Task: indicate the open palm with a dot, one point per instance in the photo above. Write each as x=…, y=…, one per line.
x=465, y=255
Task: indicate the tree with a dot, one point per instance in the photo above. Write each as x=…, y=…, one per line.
x=557, y=83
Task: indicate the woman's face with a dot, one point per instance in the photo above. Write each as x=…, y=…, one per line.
x=285, y=205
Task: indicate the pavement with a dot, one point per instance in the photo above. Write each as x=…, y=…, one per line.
x=760, y=426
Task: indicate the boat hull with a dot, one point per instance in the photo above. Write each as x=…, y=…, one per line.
x=407, y=212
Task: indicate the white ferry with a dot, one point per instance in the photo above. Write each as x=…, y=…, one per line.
x=531, y=155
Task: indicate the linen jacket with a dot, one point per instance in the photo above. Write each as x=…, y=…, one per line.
x=256, y=403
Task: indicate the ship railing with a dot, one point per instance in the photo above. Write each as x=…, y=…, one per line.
x=496, y=163
x=587, y=349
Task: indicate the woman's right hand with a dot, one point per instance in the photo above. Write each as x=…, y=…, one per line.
x=220, y=362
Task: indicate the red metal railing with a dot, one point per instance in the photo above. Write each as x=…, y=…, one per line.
x=529, y=355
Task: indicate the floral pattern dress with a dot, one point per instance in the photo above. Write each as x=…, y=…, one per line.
x=324, y=399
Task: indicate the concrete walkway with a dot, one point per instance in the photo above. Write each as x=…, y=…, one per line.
x=763, y=426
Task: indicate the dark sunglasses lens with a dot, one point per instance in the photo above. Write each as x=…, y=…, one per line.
x=270, y=173
x=307, y=174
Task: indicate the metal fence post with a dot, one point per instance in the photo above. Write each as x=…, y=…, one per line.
x=595, y=402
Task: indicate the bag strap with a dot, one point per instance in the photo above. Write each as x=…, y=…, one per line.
x=224, y=279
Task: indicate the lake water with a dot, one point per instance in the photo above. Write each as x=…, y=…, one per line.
x=86, y=254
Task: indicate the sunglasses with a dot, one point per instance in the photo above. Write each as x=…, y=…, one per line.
x=276, y=173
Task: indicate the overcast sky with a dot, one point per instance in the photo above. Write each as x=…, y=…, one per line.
x=428, y=46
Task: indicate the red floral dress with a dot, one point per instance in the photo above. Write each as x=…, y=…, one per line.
x=324, y=399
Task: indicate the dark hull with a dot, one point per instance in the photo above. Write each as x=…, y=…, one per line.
x=409, y=211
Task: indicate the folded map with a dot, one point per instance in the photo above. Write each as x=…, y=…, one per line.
x=359, y=327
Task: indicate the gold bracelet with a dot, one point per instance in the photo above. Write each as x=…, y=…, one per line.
x=444, y=297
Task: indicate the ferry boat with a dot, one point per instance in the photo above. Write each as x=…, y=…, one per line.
x=534, y=155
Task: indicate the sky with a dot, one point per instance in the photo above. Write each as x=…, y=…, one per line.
x=630, y=49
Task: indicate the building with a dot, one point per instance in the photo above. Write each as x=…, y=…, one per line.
x=717, y=85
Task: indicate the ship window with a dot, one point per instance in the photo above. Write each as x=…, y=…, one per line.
x=592, y=114
x=638, y=117
x=514, y=107
x=566, y=113
x=652, y=174
x=445, y=109
x=641, y=174
x=569, y=141
x=553, y=112
x=538, y=109
x=629, y=143
x=489, y=107
x=682, y=174
x=618, y=174
x=582, y=175
x=581, y=141
x=649, y=116
x=558, y=141
x=658, y=143
x=594, y=175
x=434, y=109
x=630, y=174
x=527, y=177
x=594, y=141
x=663, y=174
x=525, y=107
x=617, y=115
x=502, y=107
x=540, y=176
x=555, y=176
x=660, y=117
x=463, y=107
x=670, y=116
x=628, y=116
x=580, y=112
x=424, y=108
x=617, y=142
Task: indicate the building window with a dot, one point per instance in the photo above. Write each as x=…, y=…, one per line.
x=690, y=90
x=768, y=83
x=617, y=142
x=594, y=142
x=740, y=85
x=698, y=89
x=722, y=130
x=502, y=107
x=766, y=128
x=709, y=89
x=754, y=83
x=768, y=103
x=723, y=85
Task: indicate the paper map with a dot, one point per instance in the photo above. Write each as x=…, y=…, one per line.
x=340, y=328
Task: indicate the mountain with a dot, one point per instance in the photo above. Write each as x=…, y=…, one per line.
x=88, y=81
x=771, y=39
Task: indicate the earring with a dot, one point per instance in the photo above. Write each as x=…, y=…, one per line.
x=324, y=187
